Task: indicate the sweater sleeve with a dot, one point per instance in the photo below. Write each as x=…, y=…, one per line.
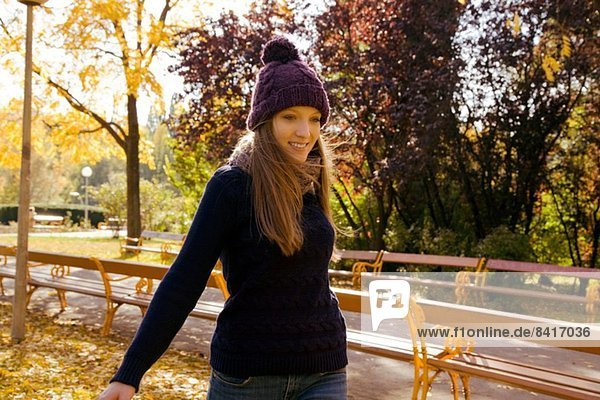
x=185, y=281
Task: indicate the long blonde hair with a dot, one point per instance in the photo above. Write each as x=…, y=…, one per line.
x=277, y=193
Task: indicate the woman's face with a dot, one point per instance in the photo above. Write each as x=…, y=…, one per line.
x=296, y=130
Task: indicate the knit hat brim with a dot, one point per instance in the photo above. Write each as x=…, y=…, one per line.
x=297, y=95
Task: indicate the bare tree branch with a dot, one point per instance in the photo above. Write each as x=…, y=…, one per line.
x=79, y=106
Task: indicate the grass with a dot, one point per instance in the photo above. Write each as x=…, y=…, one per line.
x=97, y=247
x=64, y=360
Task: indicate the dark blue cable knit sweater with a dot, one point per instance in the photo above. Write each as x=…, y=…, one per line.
x=281, y=318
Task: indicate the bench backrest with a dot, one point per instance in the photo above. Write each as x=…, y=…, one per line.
x=8, y=250
x=408, y=258
x=521, y=266
x=162, y=235
x=111, y=266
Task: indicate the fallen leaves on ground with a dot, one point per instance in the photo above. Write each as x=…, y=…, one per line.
x=64, y=361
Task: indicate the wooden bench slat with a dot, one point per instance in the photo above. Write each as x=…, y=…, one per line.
x=549, y=374
x=77, y=285
x=527, y=379
x=206, y=311
x=142, y=248
x=369, y=343
x=163, y=235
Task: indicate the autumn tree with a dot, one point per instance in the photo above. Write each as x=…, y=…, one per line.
x=390, y=69
x=55, y=157
x=530, y=65
x=98, y=57
x=573, y=188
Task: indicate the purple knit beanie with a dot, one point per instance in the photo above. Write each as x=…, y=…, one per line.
x=285, y=81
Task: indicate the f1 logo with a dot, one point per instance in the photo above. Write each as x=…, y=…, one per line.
x=389, y=299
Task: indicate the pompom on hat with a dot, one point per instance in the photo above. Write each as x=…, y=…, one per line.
x=285, y=81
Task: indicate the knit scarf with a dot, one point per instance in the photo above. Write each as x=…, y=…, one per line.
x=242, y=153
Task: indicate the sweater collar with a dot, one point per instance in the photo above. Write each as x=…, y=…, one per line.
x=242, y=153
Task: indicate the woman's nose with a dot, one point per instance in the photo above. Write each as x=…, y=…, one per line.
x=303, y=130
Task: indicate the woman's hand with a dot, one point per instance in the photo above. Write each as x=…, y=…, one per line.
x=117, y=391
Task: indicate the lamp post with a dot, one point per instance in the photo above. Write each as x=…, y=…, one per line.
x=19, y=301
x=86, y=172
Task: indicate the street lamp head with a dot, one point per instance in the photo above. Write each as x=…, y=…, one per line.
x=32, y=2
x=86, y=172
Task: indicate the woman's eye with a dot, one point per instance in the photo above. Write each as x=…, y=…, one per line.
x=290, y=117
x=316, y=120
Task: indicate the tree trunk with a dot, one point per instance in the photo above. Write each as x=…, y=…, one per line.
x=595, y=236
x=467, y=189
x=134, y=228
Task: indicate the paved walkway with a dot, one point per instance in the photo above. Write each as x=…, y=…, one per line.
x=370, y=377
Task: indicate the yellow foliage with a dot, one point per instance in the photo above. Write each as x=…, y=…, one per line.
x=10, y=146
x=550, y=67
x=152, y=85
x=515, y=24
x=76, y=138
x=554, y=45
x=106, y=30
x=88, y=77
x=147, y=153
x=134, y=79
x=565, y=50
x=110, y=10
x=156, y=34
x=472, y=135
x=11, y=138
x=109, y=46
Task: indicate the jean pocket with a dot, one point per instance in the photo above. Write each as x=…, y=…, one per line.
x=337, y=371
x=229, y=379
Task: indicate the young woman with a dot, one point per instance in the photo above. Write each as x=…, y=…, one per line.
x=266, y=214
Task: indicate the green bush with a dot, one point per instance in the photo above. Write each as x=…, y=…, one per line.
x=504, y=244
x=162, y=209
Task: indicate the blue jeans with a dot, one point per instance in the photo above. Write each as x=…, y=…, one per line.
x=319, y=386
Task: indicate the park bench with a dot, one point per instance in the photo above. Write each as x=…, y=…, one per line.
x=470, y=283
x=111, y=272
x=112, y=224
x=47, y=222
x=371, y=262
x=5, y=252
x=360, y=267
x=48, y=219
x=167, y=250
x=412, y=259
x=413, y=350
x=473, y=285
x=462, y=362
